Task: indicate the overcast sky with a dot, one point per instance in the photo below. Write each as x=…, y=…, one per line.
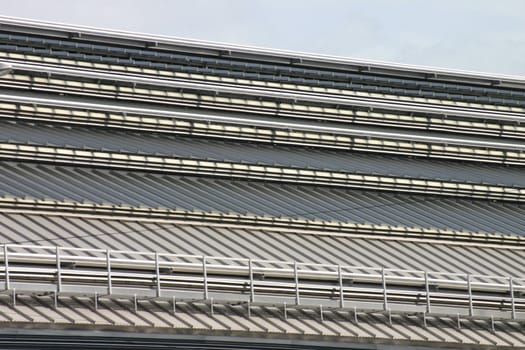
x=477, y=35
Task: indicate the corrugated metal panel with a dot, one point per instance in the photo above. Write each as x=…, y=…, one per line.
x=155, y=190
x=257, y=153
x=261, y=118
x=133, y=235
x=263, y=321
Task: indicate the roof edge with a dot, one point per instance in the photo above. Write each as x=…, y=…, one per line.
x=296, y=57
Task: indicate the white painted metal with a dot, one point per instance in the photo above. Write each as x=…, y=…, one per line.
x=128, y=273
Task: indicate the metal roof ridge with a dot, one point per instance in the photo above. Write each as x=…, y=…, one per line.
x=247, y=49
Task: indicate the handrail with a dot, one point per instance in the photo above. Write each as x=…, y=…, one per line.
x=71, y=270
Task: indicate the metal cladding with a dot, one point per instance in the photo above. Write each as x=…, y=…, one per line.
x=194, y=191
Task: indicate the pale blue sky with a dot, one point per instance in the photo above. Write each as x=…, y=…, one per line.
x=477, y=35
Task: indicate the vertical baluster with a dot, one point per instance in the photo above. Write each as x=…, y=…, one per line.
x=205, y=277
x=157, y=273
x=470, y=302
x=108, y=265
x=341, y=291
x=427, y=290
x=252, y=290
x=59, y=270
x=385, y=295
x=6, y=268
x=296, y=277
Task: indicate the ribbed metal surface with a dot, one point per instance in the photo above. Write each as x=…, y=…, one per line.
x=150, y=61
x=217, y=50
x=94, y=340
x=307, y=95
x=233, y=176
x=140, y=189
x=210, y=240
x=206, y=95
x=263, y=322
x=80, y=271
x=258, y=153
x=256, y=128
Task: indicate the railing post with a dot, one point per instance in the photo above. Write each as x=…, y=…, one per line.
x=59, y=270
x=157, y=272
x=108, y=265
x=385, y=296
x=296, y=277
x=427, y=290
x=341, y=292
x=6, y=268
x=472, y=281
x=205, y=277
x=470, y=302
x=250, y=271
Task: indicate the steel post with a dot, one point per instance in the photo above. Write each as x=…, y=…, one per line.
x=6, y=268
x=108, y=266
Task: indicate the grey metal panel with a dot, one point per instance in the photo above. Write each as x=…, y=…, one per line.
x=157, y=190
x=61, y=86
x=233, y=319
x=264, y=54
x=93, y=232
x=168, y=191
x=19, y=48
x=260, y=153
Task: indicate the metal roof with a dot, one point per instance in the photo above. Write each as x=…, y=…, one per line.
x=372, y=175
x=171, y=191
x=224, y=150
x=97, y=231
x=229, y=50
x=264, y=322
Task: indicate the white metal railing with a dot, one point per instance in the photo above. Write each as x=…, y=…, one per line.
x=37, y=269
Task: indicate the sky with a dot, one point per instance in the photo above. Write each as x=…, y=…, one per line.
x=475, y=35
